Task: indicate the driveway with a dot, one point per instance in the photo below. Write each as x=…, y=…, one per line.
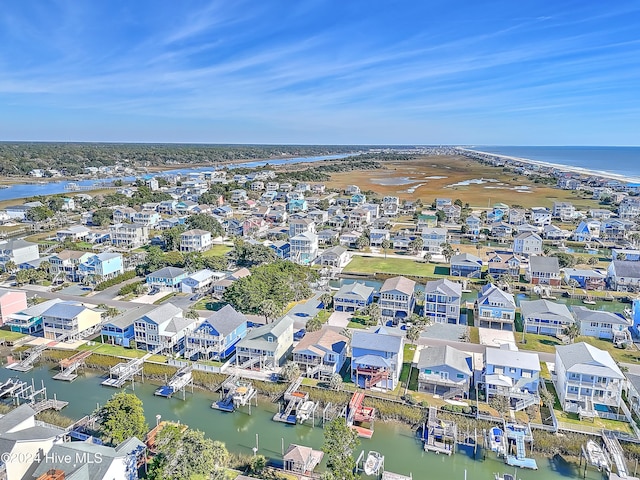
x=495, y=338
x=339, y=319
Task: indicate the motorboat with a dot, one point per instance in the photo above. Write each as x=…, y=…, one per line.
x=596, y=455
x=505, y=476
x=304, y=412
x=373, y=463
x=497, y=441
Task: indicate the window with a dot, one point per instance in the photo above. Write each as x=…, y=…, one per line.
x=427, y=372
x=498, y=370
x=526, y=374
x=459, y=375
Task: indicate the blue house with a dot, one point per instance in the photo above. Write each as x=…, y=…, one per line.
x=297, y=205
x=513, y=374
x=352, y=297
x=376, y=358
x=281, y=248
x=167, y=278
x=118, y=331
x=102, y=266
x=495, y=308
x=216, y=337
x=29, y=320
x=466, y=265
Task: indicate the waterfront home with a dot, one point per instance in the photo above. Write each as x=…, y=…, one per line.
x=11, y=301
x=69, y=319
x=129, y=235
x=629, y=208
x=473, y=224
x=163, y=328
x=101, y=267
x=29, y=319
x=390, y=206
x=499, y=213
x=195, y=240
x=553, y=232
x=586, y=231
x=167, y=278
x=630, y=255
x=445, y=371
x=216, y=337
x=426, y=219
x=513, y=374
x=452, y=213
x=587, y=379
x=295, y=205
x=543, y=271
x=75, y=233
x=376, y=358
x=633, y=392
x=564, y=211
x=65, y=264
x=119, y=330
x=322, y=353
x=623, y=276
x=18, y=251
x=337, y=256
x=540, y=216
x=504, y=263
x=146, y=217
x=442, y=301
x=350, y=239
x=352, y=190
x=200, y=281
x=238, y=196
x=588, y=279
x=494, y=308
x=281, y=248
x=465, y=265
x=501, y=231
x=267, y=346
x=602, y=324
x=301, y=460
x=527, y=243
x=328, y=236
x=517, y=216
x=432, y=239
x=352, y=297
x=304, y=248
x=397, y=299
x=23, y=437
x=298, y=225
x=378, y=235
x=544, y=317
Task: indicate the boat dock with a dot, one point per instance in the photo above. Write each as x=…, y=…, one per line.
x=24, y=392
x=125, y=371
x=178, y=383
x=439, y=436
x=520, y=434
x=227, y=389
x=294, y=399
x=33, y=354
x=616, y=453
x=68, y=366
x=357, y=413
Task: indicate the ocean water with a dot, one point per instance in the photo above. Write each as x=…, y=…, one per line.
x=618, y=160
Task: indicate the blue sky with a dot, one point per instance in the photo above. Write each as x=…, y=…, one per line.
x=310, y=71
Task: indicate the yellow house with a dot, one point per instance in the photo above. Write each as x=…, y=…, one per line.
x=69, y=320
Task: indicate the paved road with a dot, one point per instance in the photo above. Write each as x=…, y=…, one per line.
x=80, y=299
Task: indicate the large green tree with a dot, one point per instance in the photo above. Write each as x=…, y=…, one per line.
x=122, y=417
x=206, y=222
x=340, y=441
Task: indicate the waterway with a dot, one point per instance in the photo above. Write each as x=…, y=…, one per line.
x=238, y=430
x=52, y=188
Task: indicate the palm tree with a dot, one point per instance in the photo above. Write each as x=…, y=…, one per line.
x=270, y=309
x=447, y=251
x=416, y=245
x=572, y=331
x=386, y=245
x=413, y=333
x=326, y=299
x=11, y=266
x=191, y=314
x=374, y=312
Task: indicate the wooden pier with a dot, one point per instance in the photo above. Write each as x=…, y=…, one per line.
x=356, y=414
x=294, y=399
x=68, y=366
x=438, y=435
x=178, y=383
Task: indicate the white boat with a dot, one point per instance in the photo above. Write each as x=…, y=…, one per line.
x=505, y=476
x=596, y=455
x=496, y=441
x=373, y=463
x=304, y=412
x=588, y=301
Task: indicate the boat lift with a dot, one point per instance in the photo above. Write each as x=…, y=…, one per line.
x=125, y=371
x=295, y=399
x=178, y=383
x=68, y=366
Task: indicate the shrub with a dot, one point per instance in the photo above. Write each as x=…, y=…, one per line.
x=129, y=288
x=116, y=280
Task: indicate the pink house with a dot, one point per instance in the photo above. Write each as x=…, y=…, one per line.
x=11, y=301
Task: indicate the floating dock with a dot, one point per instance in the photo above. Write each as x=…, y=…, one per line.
x=126, y=371
x=520, y=434
x=439, y=436
x=178, y=383
x=357, y=413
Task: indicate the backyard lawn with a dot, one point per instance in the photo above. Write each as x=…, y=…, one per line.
x=399, y=266
x=118, y=351
x=547, y=343
x=10, y=336
x=217, y=250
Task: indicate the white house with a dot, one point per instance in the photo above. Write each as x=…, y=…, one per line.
x=195, y=240
x=527, y=243
x=602, y=324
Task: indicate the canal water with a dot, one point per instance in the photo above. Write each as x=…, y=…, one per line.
x=52, y=188
x=238, y=430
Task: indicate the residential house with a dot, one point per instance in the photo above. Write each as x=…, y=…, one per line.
x=390, y=206
x=541, y=216
x=504, y=263
x=376, y=358
x=301, y=460
x=11, y=301
x=623, y=276
x=499, y=213
x=588, y=279
x=442, y=301
x=357, y=199
x=501, y=231
x=163, y=329
x=352, y=297
x=119, y=330
x=196, y=240
x=443, y=202
x=281, y=248
x=221, y=285
x=328, y=236
x=397, y=299
x=452, y=213
x=352, y=190
x=629, y=208
x=304, y=248
x=600, y=213
x=238, y=196
x=216, y=337
x=465, y=265
x=378, y=235
x=432, y=239
x=625, y=254
x=527, y=243
x=167, y=207
x=359, y=217
x=200, y=281
x=101, y=267
x=445, y=371
x=544, y=317
x=149, y=218
x=426, y=219
x=373, y=209
x=24, y=439
x=633, y=392
x=513, y=374
x=18, y=251
x=69, y=319
x=553, y=232
x=517, y=216
x=473, y=224
x=318, y=216
x=167, y=278
x=543, y=271
x=564, y=211
x=602, y=324
x=129, y=235
x=587, y=379
x=337, y=257
x=75, y=233
x=322, y=353
x=494, y=308
x=29, y=320
x=65, y=265
x=267, y=346
x=586, y=231
x=298, y=225
x=616, y=230
x=350, y=239
x=295, y=205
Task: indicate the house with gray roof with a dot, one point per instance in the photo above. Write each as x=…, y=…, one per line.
x=301, y=459
x=624, y=276
x=18, y=251
x=543, y=271
x=167, y=278
x=465, y=265
x=513, y=374
x=322, y=353
x=200, y=281
x=397, y=299
x=337, y=256
x=587, y=379
x=71, y=320
x=633, y=392
x=163, y=328
x=376, y=358
x=495, y=308
x=442, y=301
x=216, y=337
x=544, y=317
x=602, y=324
x=352, y=297
x=267, y=346
x=444, y=370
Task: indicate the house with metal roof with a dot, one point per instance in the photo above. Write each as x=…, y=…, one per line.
x=465, y=265
x=200, y=281
x=163, y=327
x=397, y=299
x=29, y=320
x=602, y=324
x=495, y=308
x=70, y=319
x=587, y=379
x=101, y=267
x=442, y=301
x=352, y=297
x=301, y=459
x=322, y=353
x=624, y=276
x=167, y=278
x=376, y=358
x=527, y=243
x=216, y=337
x=267, y=346
x=444, y=370
x=587, y=278
x=544, y=317
x=513, y=374
x=543, y=271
